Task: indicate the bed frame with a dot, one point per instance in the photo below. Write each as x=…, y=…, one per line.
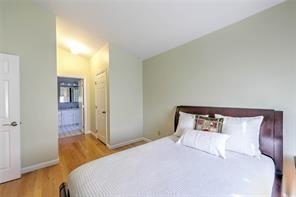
x=271, y=133
x=271, y=136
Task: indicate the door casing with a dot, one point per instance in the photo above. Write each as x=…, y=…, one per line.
x=85, y=104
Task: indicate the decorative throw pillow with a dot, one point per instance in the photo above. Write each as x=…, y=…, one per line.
x=209, y=124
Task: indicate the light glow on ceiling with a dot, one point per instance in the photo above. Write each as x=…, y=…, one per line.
x=74, y=45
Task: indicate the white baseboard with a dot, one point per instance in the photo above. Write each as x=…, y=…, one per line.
x=147, y=139
x=39, y=166
x=93, y=134
x=87, y=132
x=128, y=142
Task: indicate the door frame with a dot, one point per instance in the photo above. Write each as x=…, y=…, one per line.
x=106, y=105
x=85, y=119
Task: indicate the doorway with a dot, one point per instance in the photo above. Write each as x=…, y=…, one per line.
x=71, y=106
x=101, y=107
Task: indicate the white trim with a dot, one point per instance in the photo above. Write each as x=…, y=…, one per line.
x=147, y=139
x=126, y=143
x=88, y=132
x=39, y=166
x=99, y=73
x=93, y=134
x=84, y=78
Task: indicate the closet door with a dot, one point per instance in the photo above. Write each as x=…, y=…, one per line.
x=101, y=107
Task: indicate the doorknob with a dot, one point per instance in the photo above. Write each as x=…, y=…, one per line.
x=103, y=112
x=13, y=124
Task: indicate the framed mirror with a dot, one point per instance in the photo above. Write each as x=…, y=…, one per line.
x=65, y=95
x=75, y=94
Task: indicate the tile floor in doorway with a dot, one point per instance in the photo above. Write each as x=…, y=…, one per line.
x=69, y=130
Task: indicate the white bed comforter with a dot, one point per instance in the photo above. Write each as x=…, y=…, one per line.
x=164, y=168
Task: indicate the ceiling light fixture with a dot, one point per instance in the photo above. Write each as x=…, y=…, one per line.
x=76, y=47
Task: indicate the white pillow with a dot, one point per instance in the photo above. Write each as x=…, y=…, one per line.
x=210, y=142
x=244, y=134
x=186, y=121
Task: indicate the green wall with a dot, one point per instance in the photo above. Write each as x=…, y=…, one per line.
x=125, y=95
x=29, y=32
x=1, y=25
x=250, y=64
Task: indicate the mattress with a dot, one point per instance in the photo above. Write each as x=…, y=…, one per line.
x=164, y=168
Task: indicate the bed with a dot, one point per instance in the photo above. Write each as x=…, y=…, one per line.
x=164, y=168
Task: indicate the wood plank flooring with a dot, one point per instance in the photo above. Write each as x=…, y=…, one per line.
x=73, y=152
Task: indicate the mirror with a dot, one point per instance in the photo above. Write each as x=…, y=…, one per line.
x=69, y=94
x=75, y=94
x=69, y=91
x=65, y=95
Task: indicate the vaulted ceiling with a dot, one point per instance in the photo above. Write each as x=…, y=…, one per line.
x=146, y=27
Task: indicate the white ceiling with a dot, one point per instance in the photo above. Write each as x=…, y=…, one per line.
x=147, y=27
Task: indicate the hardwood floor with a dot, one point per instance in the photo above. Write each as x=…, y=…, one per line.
x=73, y=152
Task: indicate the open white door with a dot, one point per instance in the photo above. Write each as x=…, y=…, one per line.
x=9, y=118
x=101, y=109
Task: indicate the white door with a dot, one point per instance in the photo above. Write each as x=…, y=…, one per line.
x=9, y=118
x=101, y=109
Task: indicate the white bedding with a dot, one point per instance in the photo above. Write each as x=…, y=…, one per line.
x=164, y=168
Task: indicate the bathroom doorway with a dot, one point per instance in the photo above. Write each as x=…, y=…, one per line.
x=71, y=106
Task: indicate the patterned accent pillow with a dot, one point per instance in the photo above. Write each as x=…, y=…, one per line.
x=209, y=124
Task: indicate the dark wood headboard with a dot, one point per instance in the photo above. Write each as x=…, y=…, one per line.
x=271, y=132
